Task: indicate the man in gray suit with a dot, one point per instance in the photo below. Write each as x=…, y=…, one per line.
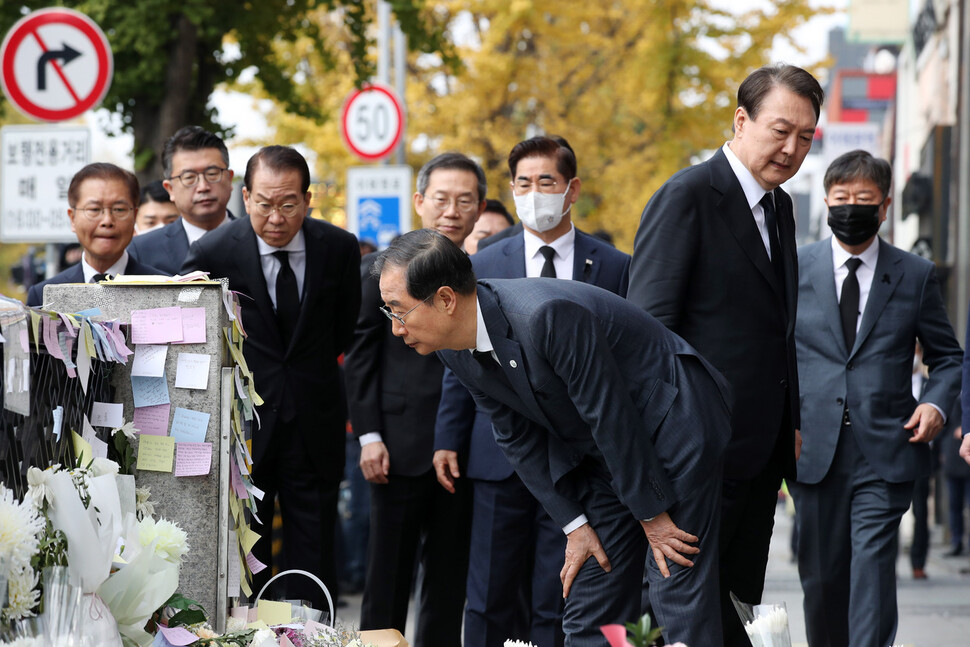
x=862, y=305
x=605, y=415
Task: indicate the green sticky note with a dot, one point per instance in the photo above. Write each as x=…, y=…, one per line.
x=155, y=453
x=274, y=613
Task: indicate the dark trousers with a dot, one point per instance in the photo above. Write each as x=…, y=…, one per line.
x=355, y=520
x=921, y=528
x=959, y=498
x=414, y=518
x=308, y=506
x=514, y=591
x=747, y=519
x=847, y=547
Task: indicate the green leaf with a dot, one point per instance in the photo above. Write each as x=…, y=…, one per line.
x=187, y=617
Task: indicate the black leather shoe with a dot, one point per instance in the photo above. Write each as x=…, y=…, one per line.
x=956, y=551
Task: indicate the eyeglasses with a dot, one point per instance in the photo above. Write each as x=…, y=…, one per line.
x=117, y=212
x=265, y=209
x=400, y=318
x=465, y=205
x=212, y=175
x=544, y=185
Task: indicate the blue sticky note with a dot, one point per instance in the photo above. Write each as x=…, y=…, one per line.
x=90, y=312
x=149, y=391
x=189, y=426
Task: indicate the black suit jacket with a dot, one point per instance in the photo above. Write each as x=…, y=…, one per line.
x=700, y=267
x=75, y=274
x=164, y=248
x=390, y=388
x=298, y=382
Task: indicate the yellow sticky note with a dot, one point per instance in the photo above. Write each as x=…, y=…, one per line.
x=35, y=325
x=274, y=613
x=247, y=538
x=155, y=453
x=88, y=338
x=259, y=624
x=82, y=448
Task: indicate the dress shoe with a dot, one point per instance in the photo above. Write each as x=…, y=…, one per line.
x=919, y=574
x=956, y=551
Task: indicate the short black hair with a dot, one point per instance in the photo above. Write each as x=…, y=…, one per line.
x=452, y=161
x=278, y=158
x=102, y=171
x=430, y=261
x=154, y=192
x=191, y=138
x=859, y=165
x=495, y=206
x=754, y=89
x=552, y=146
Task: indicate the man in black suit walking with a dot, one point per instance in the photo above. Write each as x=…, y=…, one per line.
x=714, y=260
x=302, y=277
x=199, y=180
x=393, y=394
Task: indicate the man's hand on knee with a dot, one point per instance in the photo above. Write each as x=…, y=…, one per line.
x=667, y=541
x=580, y=545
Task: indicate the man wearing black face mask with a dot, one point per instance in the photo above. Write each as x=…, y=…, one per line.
x=862, y=304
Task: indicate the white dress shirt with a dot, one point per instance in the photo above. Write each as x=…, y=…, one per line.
x=194, y=233
x=563, y=260
x=752, y=193
x=116, y=269
x=271, y=264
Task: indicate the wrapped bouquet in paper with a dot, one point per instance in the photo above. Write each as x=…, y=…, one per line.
x=765, y=624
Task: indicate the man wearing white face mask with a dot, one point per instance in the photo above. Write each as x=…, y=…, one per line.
x=510, y=530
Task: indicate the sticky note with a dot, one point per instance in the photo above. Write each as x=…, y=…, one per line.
x=193, y=371
x=284, y=641
x=255, y=566
x=240, y=613
x=189, y=426
x=156, y=326
x=274, y=613
x=152, y=420
x=82, y=448
x=247, y=538
x=99, y=448
x=58, y=419
x=178, y=636
x=193, y=325
x=83, y=359
x=149, y=391
x=107, y=414
x=155, y=453
x=193, y=459
x=149, y=360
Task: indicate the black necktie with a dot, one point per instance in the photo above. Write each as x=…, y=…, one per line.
x=485, y=359
x=548, y=269
x=287, y=297
x=771, y=224
x=849, y=303
x=97, y=278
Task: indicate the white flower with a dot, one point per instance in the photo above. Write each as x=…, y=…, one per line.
x=37, y=485
x=267, y=636
x=128, y=429
x=20, y=529
x=172, y=540
x=144, y=508
x=102, y=466
x=24, y=642
x=517, y=643
x=22, y=594
x=235, y=624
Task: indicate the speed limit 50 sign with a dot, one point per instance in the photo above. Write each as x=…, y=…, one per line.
x=372, y=122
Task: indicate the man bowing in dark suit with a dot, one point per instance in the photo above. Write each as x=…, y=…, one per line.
x=714, y=260
x=301, y=278
x=862, y=305
x=603, y=413
x=515, y=545
x=199, y=180
x=102, y=199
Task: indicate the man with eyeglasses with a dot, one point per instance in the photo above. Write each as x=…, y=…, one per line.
x=515, y=544
x=301, y=277
x=199, y=180
x=393, y=394
x=102, y=199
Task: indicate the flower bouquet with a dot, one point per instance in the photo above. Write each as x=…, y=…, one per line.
x=765, y=624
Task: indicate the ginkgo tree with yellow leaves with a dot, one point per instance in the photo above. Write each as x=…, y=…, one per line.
x=638, y=87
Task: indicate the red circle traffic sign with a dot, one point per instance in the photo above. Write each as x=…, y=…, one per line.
x=372, y=122
x=56, y=64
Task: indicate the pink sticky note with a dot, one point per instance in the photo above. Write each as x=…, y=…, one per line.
x=254, y=564
x=50, y=338
x=237, y=484
x=284, y=641
x=152, y=420
x=156, y=326
x=24, y=341
x=178, y=636
x=193, y=459
x=253, y=614
x=242, y=613
x=193, y=326
x=615, y=635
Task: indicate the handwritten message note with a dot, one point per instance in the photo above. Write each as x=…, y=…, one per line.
x=149, y=391
x=155, y=453
x=193, y=459
x=193, y=326
x=107, y=414
x=152, y=421
x=193, y=371
x=178, y=636
x=149, y=360
x=255, y=566
x=189, y=426
x=156, y=326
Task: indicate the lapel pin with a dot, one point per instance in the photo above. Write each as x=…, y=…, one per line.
x=512, y=363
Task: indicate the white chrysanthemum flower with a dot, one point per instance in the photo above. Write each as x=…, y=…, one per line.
x=144, y=508
x=22, y=594
x=38, y=487
x=24, y=642
x=128, y=429
x=172, y=540
x=20, y=529
x=235, y=624
x=517, y=643
x=262, y=636
x=102, y=466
